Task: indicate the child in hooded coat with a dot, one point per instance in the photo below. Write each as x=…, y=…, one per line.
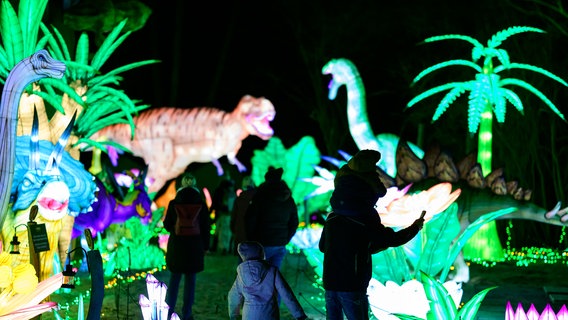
x=258, y=286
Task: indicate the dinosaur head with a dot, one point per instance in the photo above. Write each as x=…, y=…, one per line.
x=342, y=71
x=257, y=114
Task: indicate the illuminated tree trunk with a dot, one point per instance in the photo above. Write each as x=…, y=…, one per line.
x=485, y=242
x=485, y=137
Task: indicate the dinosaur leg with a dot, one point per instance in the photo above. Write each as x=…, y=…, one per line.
x=233, y=160
x=219, y=167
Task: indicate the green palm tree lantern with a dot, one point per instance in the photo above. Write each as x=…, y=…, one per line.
x=488, y=92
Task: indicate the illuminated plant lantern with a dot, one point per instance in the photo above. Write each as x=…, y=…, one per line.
x=532, y=312
x=154, y=307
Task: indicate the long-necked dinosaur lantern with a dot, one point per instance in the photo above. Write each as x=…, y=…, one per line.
x=411, y=165
x=36, y=172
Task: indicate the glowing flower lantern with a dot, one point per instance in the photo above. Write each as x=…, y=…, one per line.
x=390, y=298
x=20, y=293
x=403, y=211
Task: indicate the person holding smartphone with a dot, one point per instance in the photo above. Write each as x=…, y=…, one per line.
x=352, y=233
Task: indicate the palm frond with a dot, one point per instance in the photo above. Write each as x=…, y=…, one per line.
x=530, y=68
x=433, y=91
x=54, y=47
x=63, y=44
x=447, y=100
x=502, y=35
x=89, y=143
x=513, y=98
x=469, y=39
x=502, y=56
x=95, y=80
x=63, y=87
x=11, y=34
x=82, y=56
x=533, y=90
x=42, y=43
x=111, y=42
x=499, y=108
x=458, y=62
x=475, y=108
x=30, y=13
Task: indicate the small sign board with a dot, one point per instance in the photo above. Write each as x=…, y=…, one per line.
x=39, y=236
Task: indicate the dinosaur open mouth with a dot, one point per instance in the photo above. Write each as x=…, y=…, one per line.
x=262, y=125
x=53, y=201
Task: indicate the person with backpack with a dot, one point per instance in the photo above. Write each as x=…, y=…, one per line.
x=272, y=216
x=258, y=287
x=187, y=221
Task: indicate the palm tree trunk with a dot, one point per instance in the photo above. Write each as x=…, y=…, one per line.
x=485, y=244
x=484, y=142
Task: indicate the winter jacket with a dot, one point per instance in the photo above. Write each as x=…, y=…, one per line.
x=185, y=254
x=257, y=287
x=353, y=232
x=238, y=214
x=272, y=216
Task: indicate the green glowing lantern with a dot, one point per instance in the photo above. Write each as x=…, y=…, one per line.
x=489, y=92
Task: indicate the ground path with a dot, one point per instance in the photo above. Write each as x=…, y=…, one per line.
x=536, y=284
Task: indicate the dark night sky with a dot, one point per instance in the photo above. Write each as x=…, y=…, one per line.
x=215, y=52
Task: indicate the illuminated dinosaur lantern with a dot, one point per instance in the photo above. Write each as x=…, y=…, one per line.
x=39, y=65
x=170, y=138
x=108, y=209
x=39, y=173
x=344, y=73
x=413, y=166
x=48, y=178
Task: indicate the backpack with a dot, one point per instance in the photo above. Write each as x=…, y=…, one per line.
x=187, y=223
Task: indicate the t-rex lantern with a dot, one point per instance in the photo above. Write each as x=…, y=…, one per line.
x=170, y=138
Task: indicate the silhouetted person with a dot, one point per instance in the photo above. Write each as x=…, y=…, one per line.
x=272, y=216
x=242, y=202
x=352, y=233
x=257, y=287
x=187, y=221
x=222, y=204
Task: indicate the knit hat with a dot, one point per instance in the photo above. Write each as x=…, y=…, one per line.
x=250, y=250
x=363, y=165
x=273, y=174
x=364, y=161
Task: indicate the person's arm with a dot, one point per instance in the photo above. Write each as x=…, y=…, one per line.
x=288, y=297
x=321, y=244
x=382, y=237
x=235, y=300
